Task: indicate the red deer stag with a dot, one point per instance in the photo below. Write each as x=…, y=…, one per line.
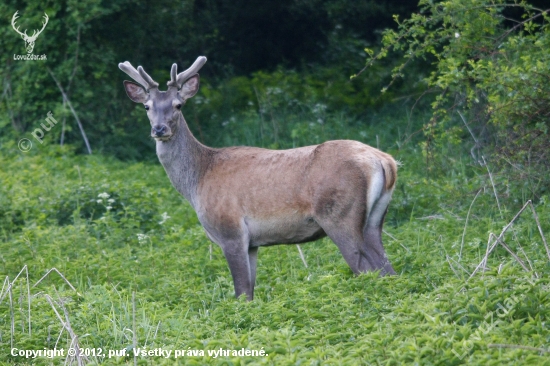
x=248, y=197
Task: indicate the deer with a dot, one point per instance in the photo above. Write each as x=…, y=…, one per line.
x=29, y=40
x=249, y=197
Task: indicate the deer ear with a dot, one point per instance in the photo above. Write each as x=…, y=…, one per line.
x=135, y=92
x=190, y=87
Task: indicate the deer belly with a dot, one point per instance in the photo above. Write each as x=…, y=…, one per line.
x=283, y=230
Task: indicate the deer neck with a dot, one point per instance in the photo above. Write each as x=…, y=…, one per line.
x=184, y=159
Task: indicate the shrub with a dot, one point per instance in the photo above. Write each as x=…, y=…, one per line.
x=492, y=73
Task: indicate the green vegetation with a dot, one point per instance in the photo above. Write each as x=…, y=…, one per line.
x=466, y=116
x=84, y=42
x=119, y=231
x=491, y=72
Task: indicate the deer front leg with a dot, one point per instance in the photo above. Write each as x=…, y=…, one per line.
x=240, y=261
x=241, y=258
x=253, y=261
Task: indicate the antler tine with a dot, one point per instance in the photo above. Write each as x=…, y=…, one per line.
x=46, y=18
x=173, y=76
x=36, y=31
x=182, y=77
x=13, y=20
x=152, y=83
x=133, y=73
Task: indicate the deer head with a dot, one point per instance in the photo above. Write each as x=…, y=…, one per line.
x=29, y=40
x=163, y=107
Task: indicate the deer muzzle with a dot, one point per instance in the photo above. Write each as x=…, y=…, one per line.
x=160, y=132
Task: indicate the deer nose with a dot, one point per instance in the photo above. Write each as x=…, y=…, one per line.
x=159, y=130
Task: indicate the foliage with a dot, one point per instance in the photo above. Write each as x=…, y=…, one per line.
x=491, y=68
x=84, y=42
x=157, y=254
x=284, y=109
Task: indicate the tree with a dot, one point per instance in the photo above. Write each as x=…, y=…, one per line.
x=491, y=67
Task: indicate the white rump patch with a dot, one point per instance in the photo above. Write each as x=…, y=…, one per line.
x=377, y=199
x=375, y=189
x=377, y=212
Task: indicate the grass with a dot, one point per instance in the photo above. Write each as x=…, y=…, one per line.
x=145, y=275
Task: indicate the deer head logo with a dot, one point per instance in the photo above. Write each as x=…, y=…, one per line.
x=29, y=40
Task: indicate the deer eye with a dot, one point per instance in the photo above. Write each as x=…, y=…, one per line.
x=178, y=106
x=146, y=107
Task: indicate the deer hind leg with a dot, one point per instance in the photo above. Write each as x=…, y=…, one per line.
x=345, y=229
x=363, y=252
x=372, y=246
x=341, y=216
x=353, y=219
x=359, y=239
x=349, y=244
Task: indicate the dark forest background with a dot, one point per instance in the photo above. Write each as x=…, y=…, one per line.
x=250, y=46
x=471, y=74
